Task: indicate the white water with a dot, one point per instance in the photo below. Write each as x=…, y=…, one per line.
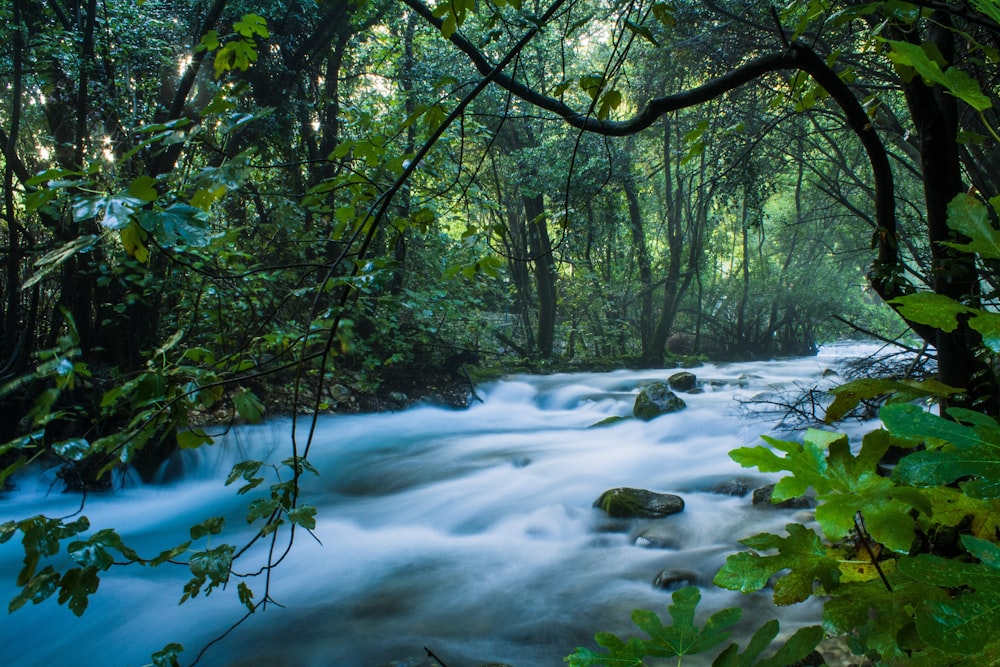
x=470, y=532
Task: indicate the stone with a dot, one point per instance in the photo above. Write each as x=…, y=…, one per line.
x=762, y=498
x=655, y=400
x=625, y=502
x=657, y=535
x=739, y=486
x=683, y=381
x=675, y=579
x=608, y=421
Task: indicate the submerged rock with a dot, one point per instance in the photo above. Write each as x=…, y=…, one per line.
x=762, y=498
x=683, y=381
x=656, y=400
x=625, y=502
x=739, y=486
x=675, y=579
x=608, y=421
x=657, y=535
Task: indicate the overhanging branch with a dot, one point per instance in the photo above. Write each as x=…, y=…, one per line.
x=886, y=274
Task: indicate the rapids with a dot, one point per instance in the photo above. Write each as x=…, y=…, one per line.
x=471, y=533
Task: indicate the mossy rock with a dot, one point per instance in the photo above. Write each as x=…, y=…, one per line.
x=608, y=421
x=683, y=381
x=655, y=400
x=626, y=503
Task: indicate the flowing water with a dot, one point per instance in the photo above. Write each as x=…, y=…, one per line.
x=471, y=533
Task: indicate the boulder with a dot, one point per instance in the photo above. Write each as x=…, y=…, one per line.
x=683, y=381
x=655, y=400
x=625, y=502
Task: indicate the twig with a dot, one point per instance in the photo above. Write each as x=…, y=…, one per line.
x=888, y=341
x=430, y=654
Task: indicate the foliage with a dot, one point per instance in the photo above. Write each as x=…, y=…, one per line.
x=683, y=637
x=893, y=542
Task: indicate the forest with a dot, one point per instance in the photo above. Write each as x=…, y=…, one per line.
x=222, y=211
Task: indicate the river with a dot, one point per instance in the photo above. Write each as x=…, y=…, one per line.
x=471, y=533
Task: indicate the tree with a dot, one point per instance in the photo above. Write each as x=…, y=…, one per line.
x=922, y=46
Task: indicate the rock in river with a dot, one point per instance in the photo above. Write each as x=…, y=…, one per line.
x=655, y=400
x=627, y=503
x=683, y=381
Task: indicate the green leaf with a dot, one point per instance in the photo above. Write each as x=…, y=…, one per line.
x=592, y=84
x=262, y=508
x=303, y=515
x=177, y=225
x=848, y=395
x=610, y=101
x=970, y=217
x=247, y=471
x=246, y=596
x=806, y=462
x=168, y=656
x=210, y=41
x=169, y=554
x=193, y=438
x=76, y=586
x=133, y=239
x=642, y=31
x=90, y=554
x=619, y=653
x=250, y=25
x=794, y=650
x=236, y=54
x=680, y=638
x=55, y=258
x=936, y=310
x=665, y=13
x=967, y=452
x=38, y=589
x=683, y=637
x=964, y=622
x=954, y=81
x=212, y=526
x=143, y=188
x=211, y=566
x=988, y=325
x=802, y=553
x=247, y=405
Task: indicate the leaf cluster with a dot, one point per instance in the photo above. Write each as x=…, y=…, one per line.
x=907, y=561
x=684, y=637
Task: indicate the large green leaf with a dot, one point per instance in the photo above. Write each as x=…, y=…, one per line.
x=683, y=637
x=955, y=81
x=806, y=462
x=936, y=310
x=848, y=395
x=802, y=553
x=970, y=217
x=680, y=638
x=797, y=647
x=966, y=452
x=843, y=483
x=177, y=225
x=964, y=622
